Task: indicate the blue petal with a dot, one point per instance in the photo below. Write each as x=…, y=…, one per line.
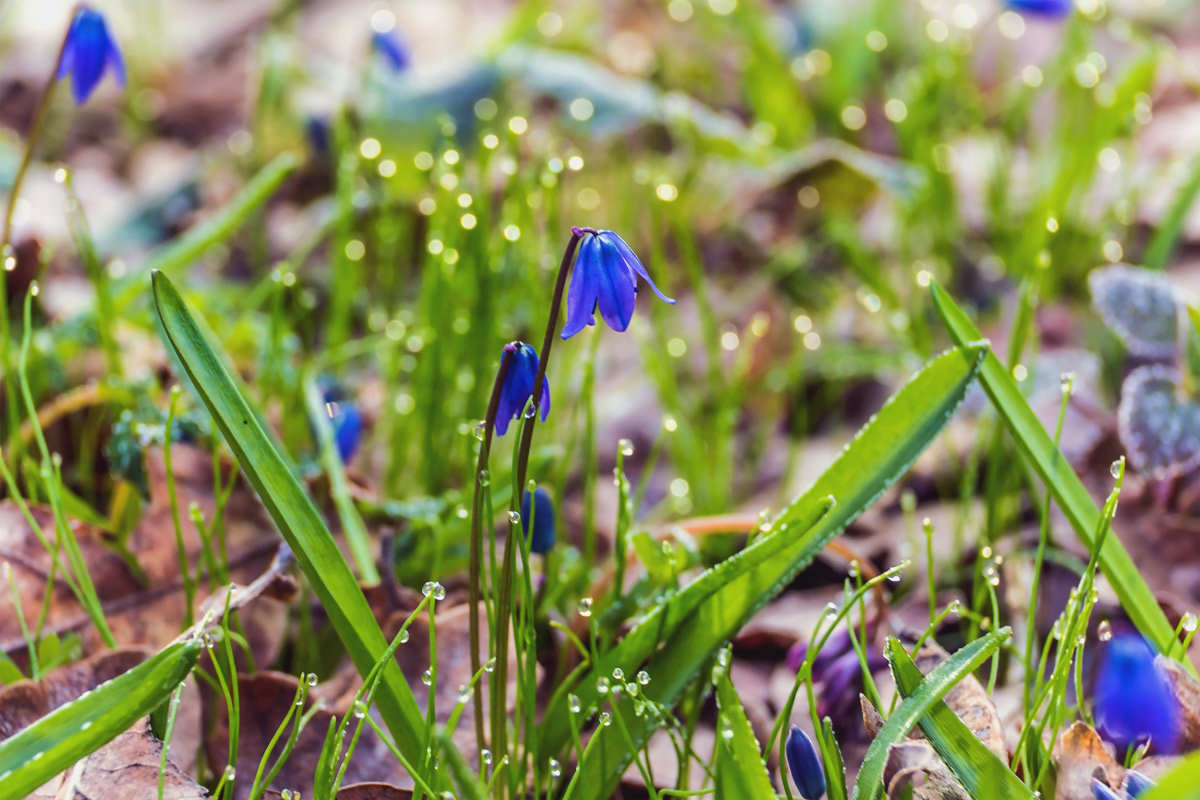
x=542, y=515
x=1046, y=8
x=347, y=429
x=616, y=287
x=633, y=261
x=88, y=52
x=581, y=296
x=1133, y=700
x=518, y=386
x=1137, y=784
x=804, y=762
x=544, y=403
x=393, y=50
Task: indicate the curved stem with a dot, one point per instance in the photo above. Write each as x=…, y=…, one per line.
x=476, y=578
x=504, y=591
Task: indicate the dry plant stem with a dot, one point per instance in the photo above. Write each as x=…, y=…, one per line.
x=35, y=132
x=475, y=581
x=504, y=605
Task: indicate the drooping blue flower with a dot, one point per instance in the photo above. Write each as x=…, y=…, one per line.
x=1101, y=791
x=1137, y=784
x=89, y=51
x=541, y=510
x=346, y=420
x=518, y=386
x=1134, y=700
x=1042, y=8
x=392, y=49
x=805, y=764
x=605, y=278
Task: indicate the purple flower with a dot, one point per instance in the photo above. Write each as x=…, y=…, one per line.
x=392, y=49
x=804, y=762
x=1134, y=701
x=843, y=680
x=605, y=277
x=518, y=386
x=542, y=514
x=88, y=52
x=1043, y=8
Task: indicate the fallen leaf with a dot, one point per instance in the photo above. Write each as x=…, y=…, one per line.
x=373, y=791
x=968, y=700
x=1080, y=755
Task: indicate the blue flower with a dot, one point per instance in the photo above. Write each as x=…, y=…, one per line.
x=1137, y=784
x=518, y=386
x=1134, y=701
x=1101, y=791
x=543, y=520
x=392, y=49
x=605, y=276
x=88, y=52
x=805, y=764
x=1043, y=8
x=346, y=421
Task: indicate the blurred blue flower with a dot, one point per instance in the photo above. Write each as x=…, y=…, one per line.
x=316, y=127
x=605, y=277
x=542, y=512
x=1137, y=784
x=1134, y=701
x=346, y=421
x=392, y=49
x=1101, y=791
x=88, y=52
x=1044, y=8
x=805, y=764
x=518, y=386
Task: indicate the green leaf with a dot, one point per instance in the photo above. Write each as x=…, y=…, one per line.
x=36, y=754
x=983, y=774
x=1135, y=596
x=740, y=771
x=680, y=636
x=1181, y=783
x=934, y=687
x=295, y=515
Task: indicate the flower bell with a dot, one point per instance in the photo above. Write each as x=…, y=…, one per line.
x=518, y=386
x=1134, y=701
x=89, y=51
x=392, y=49
x=804, y=762
x=1137, y=784
x=605, y=278
x=541, y=512
x=346, y=421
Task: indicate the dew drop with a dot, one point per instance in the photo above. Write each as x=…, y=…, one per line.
x=555, y=768
x=490, y=666
x=643, y=677
x=485, y=478
x=602, y=685
x=1189, y=622
x=605, y=718
x=574, y=704
x=514, y=518
x=404, y=636
x=230, y=773
x=311, y=680
x=618, y=674
x=464, y=694
x=626, y=447
x=360, y=709
x=727, y=733
x=1116, y=467
x=830, y=610
x=486, y=756
x=480, y=429
x=585, y=607
x=427, y=677
x=434, y=589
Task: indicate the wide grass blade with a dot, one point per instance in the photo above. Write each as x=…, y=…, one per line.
x=1166, y=238
x=1135, y=596
x=295, y=515
x=1181, y=783
x=984, y=775
x=680, y=636
x=36, y=754
x=918, y=701
x=739, y=767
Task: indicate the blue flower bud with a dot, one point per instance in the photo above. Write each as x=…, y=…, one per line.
x=518, y=386
x=605, y=279
x=345, y=419
x=1101, y=791
x=1134, y=701
x=89, y=51
x=392, y=49
x=542, y=514
x=804, y=762
x=1043, y=8
x=1137, y=784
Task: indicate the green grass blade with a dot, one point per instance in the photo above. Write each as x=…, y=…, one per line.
x=984, y=775
x=1181, y=783
x=1135, y=596
x=1166, y=238
x=36, y=754
x=917, y=703
x=678, y=647
x=295, y=515
x=740, y=771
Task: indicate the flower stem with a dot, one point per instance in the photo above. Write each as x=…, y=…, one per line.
x=504, y=601
x=475, y=581
x=8, y=259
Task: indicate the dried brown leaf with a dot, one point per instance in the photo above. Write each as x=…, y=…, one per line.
x=1080, y=755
